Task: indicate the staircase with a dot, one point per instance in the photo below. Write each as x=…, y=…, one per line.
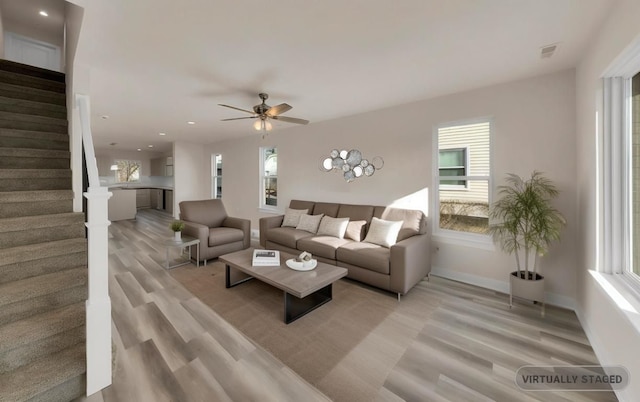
x=43, y=249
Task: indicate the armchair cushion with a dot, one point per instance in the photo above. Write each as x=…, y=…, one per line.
x=210, y=213
x=223, y=235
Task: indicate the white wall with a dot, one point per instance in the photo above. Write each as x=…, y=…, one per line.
x=613, y=336
x=191, y=177
x=534, y=123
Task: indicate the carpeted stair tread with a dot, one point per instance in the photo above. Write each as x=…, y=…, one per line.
x=34, y=153
x=30, y=134
x=33, y=94
x=21, y=309
x=24, y=106
x=32, y=252
x=31, y=82
x=34, y=179
x=27, y=230
x=29, y=174
x=44, y=376
x=23, y=158
x=32, y=196
x=41, y=285
x=54, y=261
x=25, y=69
x=32, y=329
x=41, y=221
x=29, y=118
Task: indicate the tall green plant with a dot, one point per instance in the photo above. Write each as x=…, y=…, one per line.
x=526, y=220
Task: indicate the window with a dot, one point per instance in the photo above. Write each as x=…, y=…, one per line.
x=216, y=176
x=462, y=166
x=128, y=171
x=453, y=162
x=635, y=176
x=268, y=177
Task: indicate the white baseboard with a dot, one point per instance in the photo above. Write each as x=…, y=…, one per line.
x=499, y=286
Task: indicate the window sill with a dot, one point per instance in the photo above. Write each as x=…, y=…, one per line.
x=624, y=292
x=464, y=239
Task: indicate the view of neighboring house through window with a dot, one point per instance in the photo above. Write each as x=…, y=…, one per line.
x=128, y=171
x=269, y=177
x=462, y=152
x=216, y=175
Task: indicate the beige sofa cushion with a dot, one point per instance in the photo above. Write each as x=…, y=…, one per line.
x=309, y=223
x=224, y=235
x=355, y=230
x=413, y=221
x=356, y=212
x=287, y=236
x=383, y=233
x=335, y=227
x=366, y=255
x=326, y=208
x=292, y=217
x=322, y=246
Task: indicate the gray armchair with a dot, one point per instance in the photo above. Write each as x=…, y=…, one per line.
x=219, y=234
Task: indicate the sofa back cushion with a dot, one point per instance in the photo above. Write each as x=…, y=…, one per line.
x=206, y=212
x=356, y=212
x=298, y=204
x=326, y=209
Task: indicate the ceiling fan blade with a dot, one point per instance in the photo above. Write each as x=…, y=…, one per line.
x=291, y=120
x=236, y=108
x=239, y=118
x=278, y=109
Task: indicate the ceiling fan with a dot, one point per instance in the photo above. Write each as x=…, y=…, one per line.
x=264, y=113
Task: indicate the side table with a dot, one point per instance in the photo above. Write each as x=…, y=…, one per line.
x=186, y=241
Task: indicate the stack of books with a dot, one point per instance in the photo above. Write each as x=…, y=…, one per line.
x=265, y=258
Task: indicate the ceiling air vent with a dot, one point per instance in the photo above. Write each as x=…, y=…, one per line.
x=547, y=51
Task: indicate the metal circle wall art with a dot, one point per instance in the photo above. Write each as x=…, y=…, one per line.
x=351, y=164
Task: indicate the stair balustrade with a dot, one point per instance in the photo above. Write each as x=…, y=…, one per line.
x=98, y=305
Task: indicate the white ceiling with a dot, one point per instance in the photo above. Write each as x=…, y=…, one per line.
x=156, y=64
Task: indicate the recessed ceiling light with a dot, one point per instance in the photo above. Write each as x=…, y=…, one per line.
x=104, y=116
x=139, y=149
x=191, y=122
x=44, y=13
x=162, y=133
x=150, y=146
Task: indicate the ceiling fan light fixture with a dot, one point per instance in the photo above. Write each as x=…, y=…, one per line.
x=262, y=125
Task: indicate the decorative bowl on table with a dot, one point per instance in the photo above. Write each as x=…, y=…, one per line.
x=301, y=265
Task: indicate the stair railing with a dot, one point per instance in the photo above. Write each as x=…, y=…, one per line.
x=98, y=305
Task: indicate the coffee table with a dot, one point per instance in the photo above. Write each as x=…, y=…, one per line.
x=304, y=291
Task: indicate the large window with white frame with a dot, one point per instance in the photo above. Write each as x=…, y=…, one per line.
x=216, y=176
x=268, y=178
x=127, y=170
x=620, y=176
x=462, y=174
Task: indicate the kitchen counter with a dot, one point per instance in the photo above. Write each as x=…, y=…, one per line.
x=137, y=187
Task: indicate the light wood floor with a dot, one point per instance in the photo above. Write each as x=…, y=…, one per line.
x=445, y=341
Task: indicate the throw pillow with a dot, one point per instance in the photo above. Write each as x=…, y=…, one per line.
x=383, y=233
x=355, y=230
x=309, y=223
x=335, y=227
x=292, y=216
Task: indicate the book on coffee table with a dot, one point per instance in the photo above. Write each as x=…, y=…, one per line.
x=265, y=258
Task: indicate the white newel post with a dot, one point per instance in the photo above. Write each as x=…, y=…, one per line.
x=98, y=303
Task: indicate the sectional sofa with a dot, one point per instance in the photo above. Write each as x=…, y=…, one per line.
x=384, y=259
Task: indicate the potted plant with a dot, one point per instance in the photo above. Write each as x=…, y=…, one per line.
x=177, y=227
x=525, y=225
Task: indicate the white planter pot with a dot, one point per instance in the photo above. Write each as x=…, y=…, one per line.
x=526, y=289
x=177, y=236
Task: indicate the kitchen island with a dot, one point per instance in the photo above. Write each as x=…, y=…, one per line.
x=127, y=199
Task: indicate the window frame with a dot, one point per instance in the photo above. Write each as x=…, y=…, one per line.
x=482, y=241
x=455, y=187
x=215, y=176
x=262, y=205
